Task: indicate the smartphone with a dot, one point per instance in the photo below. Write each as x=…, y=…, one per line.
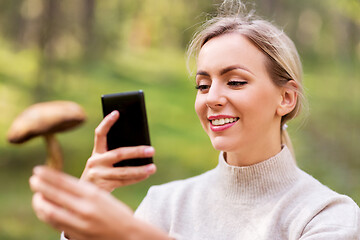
x=131, y=129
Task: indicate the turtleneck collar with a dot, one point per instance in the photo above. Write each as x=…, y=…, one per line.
x=257, y=182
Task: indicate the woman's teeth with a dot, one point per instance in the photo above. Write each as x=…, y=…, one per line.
x=222, y=121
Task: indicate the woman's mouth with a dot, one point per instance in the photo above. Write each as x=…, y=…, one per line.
x=220, y=123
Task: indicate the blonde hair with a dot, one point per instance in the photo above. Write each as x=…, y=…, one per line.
x=283, y=61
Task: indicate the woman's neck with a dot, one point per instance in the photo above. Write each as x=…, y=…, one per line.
x=250, y=155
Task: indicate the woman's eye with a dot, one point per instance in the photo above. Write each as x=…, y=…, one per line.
x=237, y=83
x=202, y=87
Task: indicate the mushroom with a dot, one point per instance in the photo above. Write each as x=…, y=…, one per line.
x=45, y=119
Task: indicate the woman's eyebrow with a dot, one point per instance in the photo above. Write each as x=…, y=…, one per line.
x=203, y=73
x=230, y=68
x=225, y=70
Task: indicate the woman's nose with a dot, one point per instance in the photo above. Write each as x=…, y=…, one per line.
x=215, y=97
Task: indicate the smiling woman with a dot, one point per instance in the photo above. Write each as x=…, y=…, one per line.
x=248, y=85
x=244, y=92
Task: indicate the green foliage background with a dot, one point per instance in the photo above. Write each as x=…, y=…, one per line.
x=88, y=48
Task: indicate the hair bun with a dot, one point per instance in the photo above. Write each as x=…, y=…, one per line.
x=234, y=8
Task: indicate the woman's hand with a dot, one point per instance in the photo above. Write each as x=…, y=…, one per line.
x=99, y=167
x=83, y=210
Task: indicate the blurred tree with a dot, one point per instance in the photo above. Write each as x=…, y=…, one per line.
x=88, y=23
x=47, y=43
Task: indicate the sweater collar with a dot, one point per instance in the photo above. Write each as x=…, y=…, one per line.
x=259, y=181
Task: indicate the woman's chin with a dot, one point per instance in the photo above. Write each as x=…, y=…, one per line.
x=222, y=146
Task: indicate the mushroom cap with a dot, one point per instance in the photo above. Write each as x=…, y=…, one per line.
x=45, y=118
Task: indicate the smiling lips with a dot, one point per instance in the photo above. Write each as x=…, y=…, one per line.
x=221, y=122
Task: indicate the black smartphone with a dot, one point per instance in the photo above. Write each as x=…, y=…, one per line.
x=131, y=129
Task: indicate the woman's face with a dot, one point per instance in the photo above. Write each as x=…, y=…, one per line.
x=237, y=101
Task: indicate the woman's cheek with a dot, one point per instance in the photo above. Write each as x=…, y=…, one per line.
x=198, y=106
x=200, y=109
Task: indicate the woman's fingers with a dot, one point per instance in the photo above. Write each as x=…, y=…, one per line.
x=99, y=167
x=79, y=208
x=66, y=192
x=109, y=178
x=57, y=186
x=74, y=223
x=111, y=184
x=58, y=217
x=100, y=142
x=122, y=173
x=111, y=157
x=82, y=210
x=100, y=171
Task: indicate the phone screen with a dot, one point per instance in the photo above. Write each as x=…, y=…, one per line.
x=131, y=129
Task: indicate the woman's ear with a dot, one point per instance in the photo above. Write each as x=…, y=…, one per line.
x=288, y=98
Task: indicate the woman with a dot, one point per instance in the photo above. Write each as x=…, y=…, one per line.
x=249, y=85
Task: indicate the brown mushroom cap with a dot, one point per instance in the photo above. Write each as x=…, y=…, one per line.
x=45, y=118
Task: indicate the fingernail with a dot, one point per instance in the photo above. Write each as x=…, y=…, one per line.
x=33, y=181
x=149, y=151
x=37, y=170
x=150, y=168
x=113, y=114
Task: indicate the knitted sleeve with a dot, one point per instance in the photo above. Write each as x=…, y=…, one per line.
x=339, y=219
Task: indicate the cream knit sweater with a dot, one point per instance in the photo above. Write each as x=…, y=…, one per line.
x=273, y=200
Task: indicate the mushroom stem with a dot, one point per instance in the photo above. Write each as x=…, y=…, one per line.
x=54, y=156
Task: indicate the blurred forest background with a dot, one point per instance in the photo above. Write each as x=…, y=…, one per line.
x=78, y=50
